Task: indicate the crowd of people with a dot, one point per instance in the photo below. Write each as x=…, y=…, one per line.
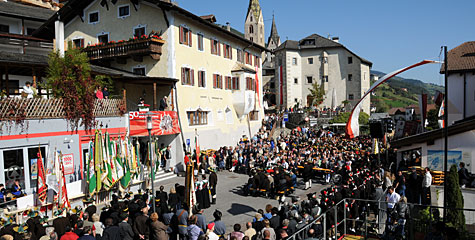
x=274, y=165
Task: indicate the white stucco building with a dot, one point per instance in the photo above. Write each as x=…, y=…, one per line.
x=315, y=59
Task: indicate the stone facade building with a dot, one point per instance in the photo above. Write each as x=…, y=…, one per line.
x=316, y=59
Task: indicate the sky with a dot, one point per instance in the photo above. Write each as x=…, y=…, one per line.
x=390, y=34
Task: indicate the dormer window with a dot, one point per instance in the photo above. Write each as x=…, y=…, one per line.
x=309, y=42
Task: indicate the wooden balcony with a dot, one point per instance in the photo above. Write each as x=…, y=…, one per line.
x=136, y=48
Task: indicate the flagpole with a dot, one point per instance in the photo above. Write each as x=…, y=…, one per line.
x=446, y=131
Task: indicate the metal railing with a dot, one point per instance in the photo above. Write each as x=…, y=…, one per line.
x=377, y=221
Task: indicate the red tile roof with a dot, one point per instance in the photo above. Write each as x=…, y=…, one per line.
x=461, y=58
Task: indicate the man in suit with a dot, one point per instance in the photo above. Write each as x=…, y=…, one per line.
x=213, y=181
x=141, y=229
x=125, y=230
x=111, y=232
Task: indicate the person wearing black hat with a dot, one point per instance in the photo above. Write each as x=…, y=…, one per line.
x=140, y=226
x=213, y=181
x=162, y=198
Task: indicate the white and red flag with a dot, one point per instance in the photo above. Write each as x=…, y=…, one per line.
x=352, y=126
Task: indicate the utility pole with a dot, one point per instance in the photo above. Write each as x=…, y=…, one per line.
x=446, y=131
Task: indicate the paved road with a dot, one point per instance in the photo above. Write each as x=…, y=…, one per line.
x=235, y=207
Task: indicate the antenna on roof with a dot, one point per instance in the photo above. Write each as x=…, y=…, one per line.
x=329, y=35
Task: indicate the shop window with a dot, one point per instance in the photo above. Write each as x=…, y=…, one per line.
x=14, y=168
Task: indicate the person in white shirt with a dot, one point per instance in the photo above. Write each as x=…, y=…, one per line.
x=392, y=198
x=28, y=90
x=426, y=182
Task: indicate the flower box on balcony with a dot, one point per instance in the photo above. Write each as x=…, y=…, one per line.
x=149, y=46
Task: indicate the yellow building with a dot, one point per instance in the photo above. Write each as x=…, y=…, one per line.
x=208, y=71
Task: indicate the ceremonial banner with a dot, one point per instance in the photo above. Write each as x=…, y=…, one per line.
x=68, y=163
x=42, y=188
x=91, y=173
x=163, y=122
x=352, y=126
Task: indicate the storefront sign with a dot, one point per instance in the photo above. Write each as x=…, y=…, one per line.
x=163, y=123
x=68, y=163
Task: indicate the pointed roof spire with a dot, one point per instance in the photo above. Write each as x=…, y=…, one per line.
x=255, y=7
x=273, y=31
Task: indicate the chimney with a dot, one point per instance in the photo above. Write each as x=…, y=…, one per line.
x=336, y=39
x=228, y=27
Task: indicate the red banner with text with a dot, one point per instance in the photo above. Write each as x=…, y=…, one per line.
x=163, y=123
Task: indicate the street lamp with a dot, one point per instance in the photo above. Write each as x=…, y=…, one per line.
x=152, y=162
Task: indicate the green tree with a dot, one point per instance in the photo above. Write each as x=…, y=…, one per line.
x=433, y=119
x=69, y=78
x=343, y=118
x=317, y=93
x=455, y=218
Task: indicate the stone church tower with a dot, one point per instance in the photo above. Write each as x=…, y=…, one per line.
x=254, y=25
x=274, y=39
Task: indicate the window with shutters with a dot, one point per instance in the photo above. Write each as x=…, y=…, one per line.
x=217, y=81
x=256, y=61
x=228, y=51
x=187, y=76
x=240, y=57
x=248, y=57
x=202, y=79
x=235, y=84
x=215, y=47
x=250, y=84
x=185, y=36
x=200, y=42
x=228, y=83
x=198, y=117
x=78, y=43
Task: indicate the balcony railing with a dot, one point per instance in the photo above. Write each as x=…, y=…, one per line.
x=40, y=108
x=140, y=47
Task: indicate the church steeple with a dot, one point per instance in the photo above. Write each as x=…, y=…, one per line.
x=254, y=24
x=274, y=38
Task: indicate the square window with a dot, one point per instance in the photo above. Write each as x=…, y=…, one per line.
x=310, y=60
x=139, y=71
x=104, y=38
x=124, y=11
x=350, y=77
x=294, y=61
x=296, y=80
x=351, y=97
x=187, y=76
x=185, y=36
x=310, y=80
x=4, y=28
x=139, y=31
x=350, y=60
x=94, y=17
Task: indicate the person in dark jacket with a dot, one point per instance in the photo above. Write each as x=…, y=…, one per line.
x=125, y=230
x=111, y=232
x=87, y=234
x=307, y=175
x=140, y=227
x=464, y=177
x=213, y=181
x=219, y=226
